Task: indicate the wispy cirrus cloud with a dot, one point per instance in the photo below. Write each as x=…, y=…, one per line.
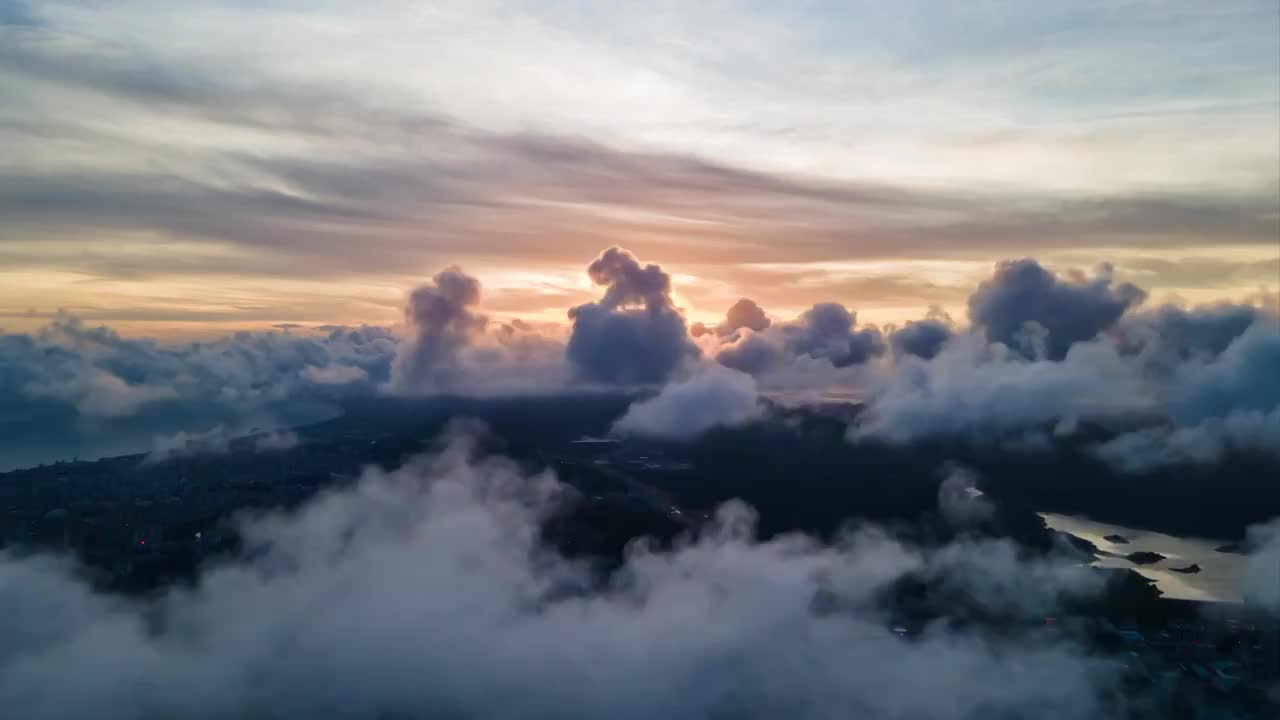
x=277, y=141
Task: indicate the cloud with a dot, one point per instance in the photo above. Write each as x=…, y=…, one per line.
x=440, y=322
x=98, y=393
x=1225, y=403
x=714, y=397
x=633, y=334
x=1186, y=385
x=988, y=393
x=744, y=313
x=426, y=592
x=1174, y=334
x=959, y=500
x=70, y=389
x=754, y=353
x=922, y=338
x=1022, y=295
x=1261, y=574
x=264, y=174
x=275, y=440
x=825, y=332
x=214, y=441
x=334, y=374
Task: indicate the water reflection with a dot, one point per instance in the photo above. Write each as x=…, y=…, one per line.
x=1220, y=573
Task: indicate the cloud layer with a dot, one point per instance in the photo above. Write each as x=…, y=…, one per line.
x=71, y=389
x=1043, y=356
x=425, y=591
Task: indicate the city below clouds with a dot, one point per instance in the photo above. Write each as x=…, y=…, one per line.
x=706, y=360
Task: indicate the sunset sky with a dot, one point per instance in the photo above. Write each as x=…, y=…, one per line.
x=188, y=168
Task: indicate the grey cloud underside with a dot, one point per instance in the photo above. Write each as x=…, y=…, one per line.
x=420, y=187
x=1023, y=299
x=633, y=334
x=425, y=592
x=922, y=338
x=1198, y=383
x=826, y=332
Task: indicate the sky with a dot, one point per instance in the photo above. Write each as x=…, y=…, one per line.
x=180, y=170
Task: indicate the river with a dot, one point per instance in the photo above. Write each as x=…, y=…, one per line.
x=1220, y=574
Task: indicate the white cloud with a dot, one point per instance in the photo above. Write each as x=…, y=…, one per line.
x=334, y=374
x=425, y=592
x=683, y=409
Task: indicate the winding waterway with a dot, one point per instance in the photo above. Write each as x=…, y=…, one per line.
x=1220, y=574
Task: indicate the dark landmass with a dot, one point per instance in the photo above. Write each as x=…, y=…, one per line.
x=1116, y=539
x=139, y=527
x=1191, y=569
x=144, y=524
x=1144, y=558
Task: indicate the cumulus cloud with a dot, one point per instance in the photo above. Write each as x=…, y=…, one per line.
x=334, y=374
x=1261, y=575
x=72, y=389
x=921, y=338
x=1226, y=403
x=715, y=397
x=1025, y=306
x=426, y=592
x=745, y=313
x=634, y=334
x=987, y=392
x=826, y=332
x=754, y=353
x=960, y=502
x=1177, y=333
x=440, y=321
x=1199, y=383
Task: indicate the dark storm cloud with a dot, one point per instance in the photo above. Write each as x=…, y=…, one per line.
x=426, y=592
x=633, y=334
x=440, y=321
x=1023, y=299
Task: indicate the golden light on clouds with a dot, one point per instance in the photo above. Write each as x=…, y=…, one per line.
x=195, y=170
